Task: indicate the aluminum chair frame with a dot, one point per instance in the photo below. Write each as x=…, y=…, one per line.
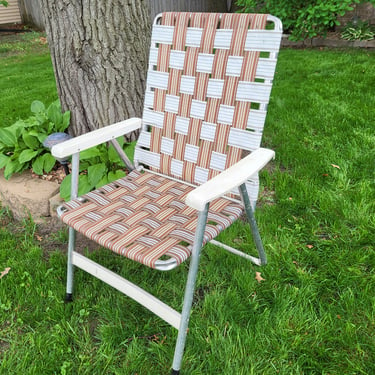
x=232, y=178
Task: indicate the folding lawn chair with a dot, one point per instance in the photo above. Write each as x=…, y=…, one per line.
x=197, y=157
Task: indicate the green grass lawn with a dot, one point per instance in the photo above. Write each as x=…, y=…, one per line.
x=26, y=75
x=315, y=311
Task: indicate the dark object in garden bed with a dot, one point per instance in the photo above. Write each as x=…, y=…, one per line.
x=14, y=28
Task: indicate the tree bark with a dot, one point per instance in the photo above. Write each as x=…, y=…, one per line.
x=99, y=51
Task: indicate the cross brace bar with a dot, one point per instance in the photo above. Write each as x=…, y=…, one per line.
x=133, y=291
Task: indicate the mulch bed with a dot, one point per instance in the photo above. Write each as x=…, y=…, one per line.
x=56, y=175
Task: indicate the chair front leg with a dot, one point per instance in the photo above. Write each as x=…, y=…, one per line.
x=70, y=266
x=72, y=232
x=189, y=291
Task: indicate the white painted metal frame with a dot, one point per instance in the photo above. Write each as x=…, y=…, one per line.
x=94, y=138
x=229, y=179
x=199, y=199
x=240, y=176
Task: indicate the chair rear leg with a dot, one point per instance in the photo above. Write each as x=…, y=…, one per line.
x=70, y=266
x=189, y=292
x=253, y=225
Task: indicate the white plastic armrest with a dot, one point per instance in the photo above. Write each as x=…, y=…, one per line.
x=95, y=137
x=229, y=179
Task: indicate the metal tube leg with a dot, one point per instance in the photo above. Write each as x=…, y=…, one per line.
x=70, y=267
x=189, y=292
x=253, y=225
x=72, y=232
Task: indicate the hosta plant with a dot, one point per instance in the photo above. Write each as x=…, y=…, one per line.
x=98, y=166
x=358, y=31
x=21, y=144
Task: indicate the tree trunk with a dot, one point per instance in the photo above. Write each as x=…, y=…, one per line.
x=99, y=52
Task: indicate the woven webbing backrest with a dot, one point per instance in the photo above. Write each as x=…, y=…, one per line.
x=207, y=90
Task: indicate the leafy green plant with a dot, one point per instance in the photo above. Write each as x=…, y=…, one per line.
x=21, y=144
x=302, y=19
x=359, y=31
x=98, y=166
x=4, y=3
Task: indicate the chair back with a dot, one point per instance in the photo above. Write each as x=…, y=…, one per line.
x=208, y=86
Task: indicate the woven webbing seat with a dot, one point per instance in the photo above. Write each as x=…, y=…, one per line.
x=145, y=218
x=196, y=161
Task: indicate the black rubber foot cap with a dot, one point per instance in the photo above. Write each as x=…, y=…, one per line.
x=175, y=372
x=68, y=297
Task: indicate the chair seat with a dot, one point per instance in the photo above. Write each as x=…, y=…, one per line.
x=143, y=217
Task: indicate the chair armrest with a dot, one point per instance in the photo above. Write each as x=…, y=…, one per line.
x=227, y=180
x=94, y=138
